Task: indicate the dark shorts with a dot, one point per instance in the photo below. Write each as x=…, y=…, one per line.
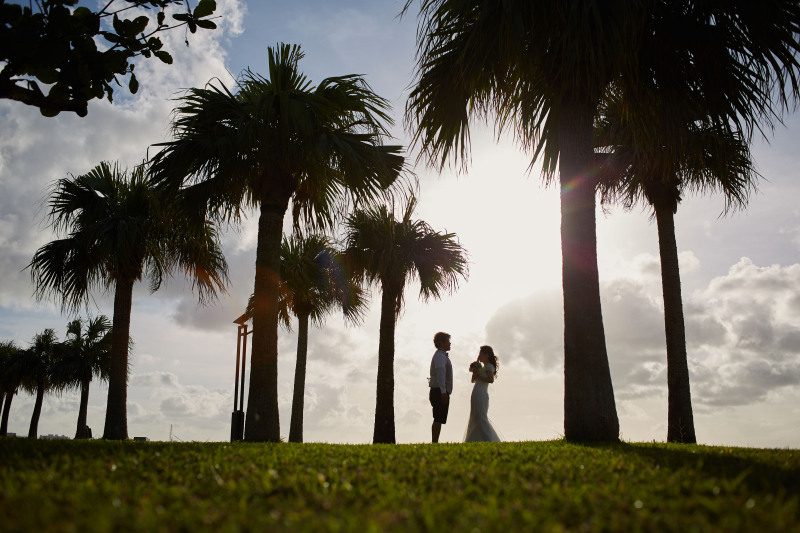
x=440, y=408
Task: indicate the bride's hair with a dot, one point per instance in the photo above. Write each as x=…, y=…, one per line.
x=492, y=357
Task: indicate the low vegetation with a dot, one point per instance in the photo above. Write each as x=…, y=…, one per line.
x=529, y=486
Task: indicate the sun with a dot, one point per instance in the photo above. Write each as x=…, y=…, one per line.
x=505, y=217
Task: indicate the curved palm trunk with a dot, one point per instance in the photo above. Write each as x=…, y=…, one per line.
x=116, y=424
x=6, y=409
x=262, y=421
x=590, y=413
x=384, y=396
x=80, y=432
x=37, y=411
x=679, y=416
x=296, y=427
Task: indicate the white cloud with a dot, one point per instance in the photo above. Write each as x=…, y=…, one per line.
x=202, y=412
x=154, y=379
x=528, y=329
x=688, y=262
x=756, y=318
x=743, y=337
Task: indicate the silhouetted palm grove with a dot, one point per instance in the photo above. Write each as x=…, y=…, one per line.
x=50, y=365
x=273, y=140
x=624, y=100
x=121, y=228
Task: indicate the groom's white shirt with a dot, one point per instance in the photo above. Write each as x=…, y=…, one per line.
x=442, y=372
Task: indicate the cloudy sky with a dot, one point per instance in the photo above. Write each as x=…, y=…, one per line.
x=740, y=272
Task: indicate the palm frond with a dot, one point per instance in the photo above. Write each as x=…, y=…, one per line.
x=276, y=137
x=33, y=365
x=381, y=249
x=119, y=226
x=655, y=153
x=516, y=61
x=314, y=281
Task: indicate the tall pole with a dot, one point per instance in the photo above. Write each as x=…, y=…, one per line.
x=244, y=362
x=238, y=355
x=237, y=417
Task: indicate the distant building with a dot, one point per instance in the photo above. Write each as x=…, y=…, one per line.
x=143, y=439
x=51, y=436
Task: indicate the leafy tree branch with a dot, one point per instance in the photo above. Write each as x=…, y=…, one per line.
x=59, y=46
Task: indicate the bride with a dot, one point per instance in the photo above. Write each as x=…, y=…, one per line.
x=479, y=429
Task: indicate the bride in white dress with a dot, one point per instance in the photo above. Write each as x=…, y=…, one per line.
x=484, y=371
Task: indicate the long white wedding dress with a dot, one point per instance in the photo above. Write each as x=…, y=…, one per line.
x=479, y=428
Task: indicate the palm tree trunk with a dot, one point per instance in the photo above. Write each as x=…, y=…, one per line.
x=262, y=421
x=296, y=427
x=384, y=396
x=80, y=432
x=680, y=421
x=590, y=413
x=116, y=424
x=37, y=411
x=6, y=409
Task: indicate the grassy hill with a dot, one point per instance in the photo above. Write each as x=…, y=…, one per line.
x=516, y=486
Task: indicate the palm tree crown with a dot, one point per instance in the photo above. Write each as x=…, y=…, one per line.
x=85, y=352
x=278, y=138
x=120, y=228
x=314, y=281
x=658, y=156
x=385, y=251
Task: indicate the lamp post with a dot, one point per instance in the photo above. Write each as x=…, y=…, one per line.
x=237, y=417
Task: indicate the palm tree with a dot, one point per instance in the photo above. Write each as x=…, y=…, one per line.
x=9, y=379
x=541, y=68
x=120, y=229
x=656, y=158
x=390, y=253
x=272, y=140
x=84, y=355
x=313, y=283
x=33, y=369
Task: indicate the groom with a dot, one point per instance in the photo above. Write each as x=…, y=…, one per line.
x=441, y=383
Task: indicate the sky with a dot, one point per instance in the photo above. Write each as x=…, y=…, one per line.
x=740, y=272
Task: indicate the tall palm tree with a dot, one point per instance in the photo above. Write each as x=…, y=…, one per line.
x=119, y=230
x=390, y=253
x=9, y=379
x=273, y=140
x=33, y=369
x=541, y=68
x=657, y=157
x=85, y=354
x=313, y=283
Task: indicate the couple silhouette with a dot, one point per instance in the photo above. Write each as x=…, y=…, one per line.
x=484, y=372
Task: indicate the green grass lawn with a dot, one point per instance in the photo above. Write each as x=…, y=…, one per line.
x=528, y=486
